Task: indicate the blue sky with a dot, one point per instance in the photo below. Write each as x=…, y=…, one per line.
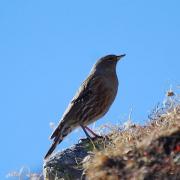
x=47, y=50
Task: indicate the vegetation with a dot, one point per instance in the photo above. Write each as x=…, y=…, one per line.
x=142, y=152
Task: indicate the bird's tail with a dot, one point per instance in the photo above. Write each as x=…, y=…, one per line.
x=53, y=146
x=59, y=134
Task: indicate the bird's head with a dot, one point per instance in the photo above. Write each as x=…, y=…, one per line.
x=108, y=63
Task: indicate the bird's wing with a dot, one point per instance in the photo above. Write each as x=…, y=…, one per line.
x=84, y=93
x=89, y=90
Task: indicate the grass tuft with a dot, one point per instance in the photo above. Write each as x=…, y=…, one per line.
x=147, y=152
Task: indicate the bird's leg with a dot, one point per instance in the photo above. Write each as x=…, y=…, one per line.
x=84, y=129
x=92, y=132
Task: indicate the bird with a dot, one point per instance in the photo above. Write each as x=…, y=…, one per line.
x=91, y=102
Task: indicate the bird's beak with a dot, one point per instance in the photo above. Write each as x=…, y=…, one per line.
x=120, y=56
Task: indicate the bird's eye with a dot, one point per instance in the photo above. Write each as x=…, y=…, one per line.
x=110, y=59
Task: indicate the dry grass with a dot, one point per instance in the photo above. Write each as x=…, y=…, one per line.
x=142, y=152
x=24, y=174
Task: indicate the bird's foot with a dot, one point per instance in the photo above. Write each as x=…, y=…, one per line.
x=92, y=132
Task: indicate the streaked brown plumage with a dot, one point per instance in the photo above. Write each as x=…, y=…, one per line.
x=91, y=102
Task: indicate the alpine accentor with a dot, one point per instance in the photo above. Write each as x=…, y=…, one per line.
x=92, y=100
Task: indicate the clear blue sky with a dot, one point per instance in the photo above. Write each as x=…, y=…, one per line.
x=47, y=48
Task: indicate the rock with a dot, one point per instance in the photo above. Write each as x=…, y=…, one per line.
x=68, y=163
